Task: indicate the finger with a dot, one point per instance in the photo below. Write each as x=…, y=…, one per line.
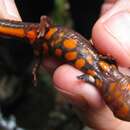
x=110, y=1
x=102, y=119
x=111, y=33
x=65, y=78
x=107, y=5
x=8, y=10
x=86, y=100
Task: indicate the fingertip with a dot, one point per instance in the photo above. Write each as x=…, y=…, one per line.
x=8, y=10
x=105, y=7
x=65, y=79
x=109, y=45
x=110, y=33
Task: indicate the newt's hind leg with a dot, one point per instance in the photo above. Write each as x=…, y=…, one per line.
x=92, y=79
x=35, y=69
x=35, y=72
x=87, y=78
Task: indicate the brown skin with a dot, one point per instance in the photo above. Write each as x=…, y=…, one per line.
x=86, y=98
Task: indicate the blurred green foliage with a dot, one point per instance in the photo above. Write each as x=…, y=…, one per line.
x=61, y=14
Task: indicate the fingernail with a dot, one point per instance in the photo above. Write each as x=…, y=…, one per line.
x=9, y=9
x=106, y=7
x=118, y=26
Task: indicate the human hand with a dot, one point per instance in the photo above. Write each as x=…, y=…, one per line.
x=85, y=97
x=110, y=35
x=8, y=10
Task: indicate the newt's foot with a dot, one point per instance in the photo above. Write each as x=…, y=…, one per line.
x=87, y=78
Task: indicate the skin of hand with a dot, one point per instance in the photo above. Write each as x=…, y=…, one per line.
x=112, y=38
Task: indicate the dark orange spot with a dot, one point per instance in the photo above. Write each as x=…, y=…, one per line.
x=123, y=111
x=18, y=32
x=45, y=48
x=117, y=94
x=32, y=35
x=58, y=52
x=79, y=63
x=91, y=72
x=72, y=55
x=89, y=59
x=50, y=33
x=120, y=98
x=104, y=66
x=112, y=87
x=128, y=86
x=109, y=98
x=70, y=43
x=125, y=86
x=98, y=83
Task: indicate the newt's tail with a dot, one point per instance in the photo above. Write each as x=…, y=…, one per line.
x=18, y=29
x=30, y=31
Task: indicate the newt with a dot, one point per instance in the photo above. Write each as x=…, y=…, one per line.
x=72, y=48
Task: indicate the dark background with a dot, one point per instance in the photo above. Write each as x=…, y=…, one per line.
x=32, y=105
x=84, y=12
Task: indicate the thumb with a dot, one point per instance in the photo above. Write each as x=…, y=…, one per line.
x=111, y=32
x=8, y=10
